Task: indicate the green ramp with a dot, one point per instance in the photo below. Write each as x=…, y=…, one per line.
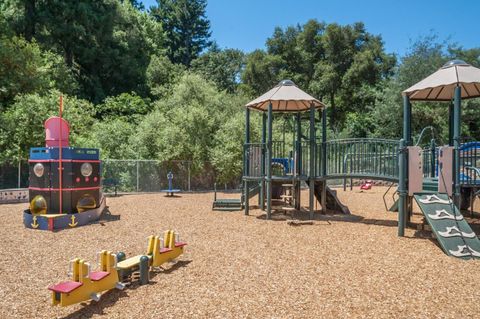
x=450, y=228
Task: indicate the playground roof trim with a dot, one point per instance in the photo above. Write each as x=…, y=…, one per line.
x=440, y=85
x=285, y=97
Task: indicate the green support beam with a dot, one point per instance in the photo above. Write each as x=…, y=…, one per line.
x=269, y=162
x=246, y=159
x=312, y=159
x=262, y=164
x=456, y=143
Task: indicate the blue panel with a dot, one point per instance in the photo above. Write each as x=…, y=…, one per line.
x=74, y=153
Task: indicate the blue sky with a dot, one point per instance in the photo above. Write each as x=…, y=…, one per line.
x=246, y=24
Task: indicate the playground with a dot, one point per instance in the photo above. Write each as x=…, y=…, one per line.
x=245, y=266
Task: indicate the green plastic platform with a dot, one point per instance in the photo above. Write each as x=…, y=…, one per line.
x=230, y=204
x=450, y=228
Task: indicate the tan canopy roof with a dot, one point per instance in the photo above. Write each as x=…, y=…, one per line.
x=285, y=97
x=440, y=85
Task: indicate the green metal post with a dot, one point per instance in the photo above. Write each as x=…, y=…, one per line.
x=450, y=124
x=324, y=160
x=269, y=162
x=456, y=143
x=407, y=121
x=312, y=159
x=299, y=160
x=246, y=169
x=402, y=189
x=262, y=164
x=144, y=270
x=407, y=137
x=432, y=157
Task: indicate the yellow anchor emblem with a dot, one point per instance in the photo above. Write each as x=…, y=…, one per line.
x=34, y=224
x=73, y=223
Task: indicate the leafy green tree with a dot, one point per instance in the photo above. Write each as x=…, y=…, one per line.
x=162, y=75
x=221, y=66
x=113, y=138
x=25, y=68
x=128, y=107
x=22, y=124
x=184, y=124
x=227, y=151
x=186, y=27
x=261, y=73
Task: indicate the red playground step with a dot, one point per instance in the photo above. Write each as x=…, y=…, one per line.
x=98, y=275
x=65, y=287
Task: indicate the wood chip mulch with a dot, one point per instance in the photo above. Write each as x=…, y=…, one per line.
x=238, y=266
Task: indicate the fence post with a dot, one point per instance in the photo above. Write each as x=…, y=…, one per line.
x=137, y=175
x=188, y=173
x=19, y=171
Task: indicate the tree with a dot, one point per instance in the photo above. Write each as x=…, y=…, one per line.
x=128, y=107
x=162, y=75
x=221, y=66
x=22, y=123
x=25, y=68
x=341, y=65
x=261, y=73
x=186, y=27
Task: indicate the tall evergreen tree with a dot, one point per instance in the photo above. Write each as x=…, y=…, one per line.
x=186, y=27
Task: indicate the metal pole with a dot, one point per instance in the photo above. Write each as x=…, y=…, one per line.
x=402, y=189
x=456, y=143
x=299, y=161
x=19, y=171
x=312, y=159
x=137, y=176
x=189, y=177
x=407, y=136
x=246, y=159
x=432, y=157
x=324, y=160
x=262, y=164
x=269, y=162
x=450, y=124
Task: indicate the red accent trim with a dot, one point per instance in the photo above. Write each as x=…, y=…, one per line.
x=165, y=250
x=180, y=244
x=98, y=275
x=64, y=189
x=50, y=224
x=65, y=287
x=63, y=160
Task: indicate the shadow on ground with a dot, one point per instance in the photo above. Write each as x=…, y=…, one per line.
x=109, y=298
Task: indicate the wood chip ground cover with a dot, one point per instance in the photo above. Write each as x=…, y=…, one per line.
x=238, y=266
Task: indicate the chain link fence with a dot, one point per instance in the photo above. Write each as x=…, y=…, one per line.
x=131, y=176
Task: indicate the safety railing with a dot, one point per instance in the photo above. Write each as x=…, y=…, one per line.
x=359, y=158
x=252, y=153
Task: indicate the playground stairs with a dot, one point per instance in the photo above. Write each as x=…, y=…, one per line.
x=233, y=204
x=287, y=199
x=453, y=233
x=333, y=202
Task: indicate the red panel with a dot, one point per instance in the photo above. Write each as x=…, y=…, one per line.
x=165, y=250
x=98, y=275
x=180, y=244
x=65, y=287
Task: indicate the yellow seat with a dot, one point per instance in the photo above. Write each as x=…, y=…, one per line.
x=130, y=262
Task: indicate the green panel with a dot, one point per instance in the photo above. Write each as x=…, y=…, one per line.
x=448, y=244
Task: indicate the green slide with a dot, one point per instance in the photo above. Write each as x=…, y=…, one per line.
x=450, y=228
